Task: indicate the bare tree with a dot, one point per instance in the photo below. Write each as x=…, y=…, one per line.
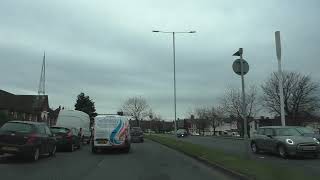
x=301, y=94
x=231, y=104
x=137, y=107
x=202, y=119
x=216, y=116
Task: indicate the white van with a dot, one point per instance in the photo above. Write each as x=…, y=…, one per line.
x=111, y=132
x=73, y=119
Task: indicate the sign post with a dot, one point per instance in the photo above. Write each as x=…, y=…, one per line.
x=278, y=51
x=244, y=68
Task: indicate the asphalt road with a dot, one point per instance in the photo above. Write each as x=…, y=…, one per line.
x=233, y=146
x=146, y=161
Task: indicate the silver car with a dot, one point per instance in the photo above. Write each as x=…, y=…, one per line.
x=285, y=141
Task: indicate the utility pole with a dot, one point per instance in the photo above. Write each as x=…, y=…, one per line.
x=278, y=51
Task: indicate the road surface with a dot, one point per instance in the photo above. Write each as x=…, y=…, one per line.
x=146, y=161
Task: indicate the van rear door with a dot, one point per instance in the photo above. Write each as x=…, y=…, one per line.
x=112, y=128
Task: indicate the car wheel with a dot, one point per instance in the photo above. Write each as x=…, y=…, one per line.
x=126, y=149
x=35, y=154
x=254, y=148
x=71, y=148
x=53, y=151
x=282, y=151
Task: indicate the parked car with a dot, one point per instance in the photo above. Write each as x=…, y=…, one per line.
x=67, y=138
x=194, y=134
x=27, y=139
x=235, y=134
x=309, y=132
x=136, y=134
x=75, y=119
x=285, y=141
x=111, y=132
x=182, y=133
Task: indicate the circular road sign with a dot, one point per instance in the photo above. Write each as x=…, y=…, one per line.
x=236, y=66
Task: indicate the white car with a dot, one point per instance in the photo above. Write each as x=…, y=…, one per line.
x=111, y=132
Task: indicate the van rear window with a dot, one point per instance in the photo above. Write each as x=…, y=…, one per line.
x=107, y=122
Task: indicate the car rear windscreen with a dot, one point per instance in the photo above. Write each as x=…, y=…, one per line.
x=59, y=130
x=17, y=127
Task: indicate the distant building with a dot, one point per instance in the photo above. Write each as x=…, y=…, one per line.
x=27, y=107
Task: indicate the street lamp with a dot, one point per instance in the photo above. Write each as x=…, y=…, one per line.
x=174, y=70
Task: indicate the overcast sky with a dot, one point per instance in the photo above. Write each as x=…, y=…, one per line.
x=106, y=48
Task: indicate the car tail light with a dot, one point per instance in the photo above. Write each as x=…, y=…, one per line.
x=69, y=135
x=32, y=138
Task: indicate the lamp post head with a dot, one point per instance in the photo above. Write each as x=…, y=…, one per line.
x=192, y=31
x=155, y=31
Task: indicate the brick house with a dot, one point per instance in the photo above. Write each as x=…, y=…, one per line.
x=27, y=107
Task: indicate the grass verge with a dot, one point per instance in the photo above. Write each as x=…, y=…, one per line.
x=250, y=168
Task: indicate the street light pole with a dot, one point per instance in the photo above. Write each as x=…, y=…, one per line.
x=174, y=72
x=174, y=82
x=278, y=52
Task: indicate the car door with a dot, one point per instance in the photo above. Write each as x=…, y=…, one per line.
x=50, y=139
x=43, y=139
x=260, y=138
x=269, y=139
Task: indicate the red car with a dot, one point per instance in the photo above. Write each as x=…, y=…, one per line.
x=27, y=139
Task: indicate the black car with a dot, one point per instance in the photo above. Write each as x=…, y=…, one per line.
x=67, y=138
x=182, y=133
x=136, y=134
x=28, y=139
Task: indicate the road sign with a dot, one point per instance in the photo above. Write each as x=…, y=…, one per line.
x=236, y=66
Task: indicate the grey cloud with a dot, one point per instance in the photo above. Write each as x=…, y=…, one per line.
x=107, y=49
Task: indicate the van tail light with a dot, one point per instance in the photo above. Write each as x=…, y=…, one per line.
x=32, y=139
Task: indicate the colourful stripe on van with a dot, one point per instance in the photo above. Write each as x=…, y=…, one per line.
x=115, y=132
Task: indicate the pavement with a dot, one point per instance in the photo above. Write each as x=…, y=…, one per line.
x=236, y=147
x=146, y=161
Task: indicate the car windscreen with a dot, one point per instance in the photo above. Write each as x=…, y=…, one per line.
x=287, y=132
x=181, y=131
x=17, y=127
x=59, y=130
x=304, y=130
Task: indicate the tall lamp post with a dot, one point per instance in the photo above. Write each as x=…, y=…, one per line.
x=174, y=70
x=278, y=52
